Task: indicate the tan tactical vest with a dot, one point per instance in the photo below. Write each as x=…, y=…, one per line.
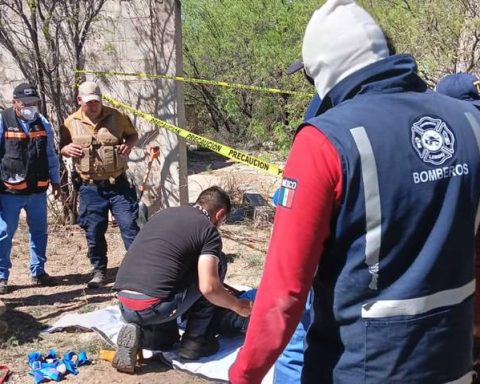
x=100, y=160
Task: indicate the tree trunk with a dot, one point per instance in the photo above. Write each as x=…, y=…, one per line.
x=469, y=42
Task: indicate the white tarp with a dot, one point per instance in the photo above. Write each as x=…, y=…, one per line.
x=108, y=321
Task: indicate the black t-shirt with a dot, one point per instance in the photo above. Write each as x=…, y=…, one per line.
x=163, y=259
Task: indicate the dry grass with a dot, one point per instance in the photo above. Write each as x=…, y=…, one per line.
x=31, y=309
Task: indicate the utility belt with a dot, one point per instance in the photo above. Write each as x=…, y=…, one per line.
x=78, y=181
x=110, y=181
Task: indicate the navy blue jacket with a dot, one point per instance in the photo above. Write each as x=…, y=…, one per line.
x=394, y=291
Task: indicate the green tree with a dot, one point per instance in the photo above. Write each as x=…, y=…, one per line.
x=443, y=35
x=46, y=40
x=253, y=42
x=248, y=42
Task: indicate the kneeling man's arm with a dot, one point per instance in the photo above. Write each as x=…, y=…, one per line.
x=212, y=288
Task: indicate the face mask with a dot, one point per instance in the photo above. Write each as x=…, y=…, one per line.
x=29, y=113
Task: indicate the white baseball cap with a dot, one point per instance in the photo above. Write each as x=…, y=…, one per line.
x=88, y=91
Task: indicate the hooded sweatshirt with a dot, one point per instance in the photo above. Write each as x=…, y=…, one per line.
x=344, y=52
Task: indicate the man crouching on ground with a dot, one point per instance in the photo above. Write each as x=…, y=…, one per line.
x=175, y=267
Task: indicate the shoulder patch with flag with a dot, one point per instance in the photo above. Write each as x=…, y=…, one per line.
x=287, y=192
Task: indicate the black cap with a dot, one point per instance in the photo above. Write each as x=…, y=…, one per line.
x=462, y=86
x=26, y=93
x=295, y=67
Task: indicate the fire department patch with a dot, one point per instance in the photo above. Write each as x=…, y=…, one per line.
x=433, y=141
x=287, y=192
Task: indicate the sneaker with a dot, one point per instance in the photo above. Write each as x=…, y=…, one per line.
x=128, y=343
x=3, y=287
x=43, y=280
x=194, y=348
x=98, y=280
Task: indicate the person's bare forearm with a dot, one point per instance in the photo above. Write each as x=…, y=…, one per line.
x=219, y=296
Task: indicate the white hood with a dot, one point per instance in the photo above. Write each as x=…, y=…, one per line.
x=341, y=38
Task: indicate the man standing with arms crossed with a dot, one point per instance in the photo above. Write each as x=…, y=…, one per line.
x=379, y=211
x=99, y=139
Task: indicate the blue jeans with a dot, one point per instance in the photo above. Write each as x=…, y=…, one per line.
x=35, y=206
x=288, y=368
x=166, y=310
x=96, y=199
x=159, y=324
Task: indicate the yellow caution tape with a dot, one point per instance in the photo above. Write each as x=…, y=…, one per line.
x=198, y=81
x=222, y=149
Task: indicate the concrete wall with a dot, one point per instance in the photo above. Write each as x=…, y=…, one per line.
x=10, y=76
x=145, y=36
x=137, y=36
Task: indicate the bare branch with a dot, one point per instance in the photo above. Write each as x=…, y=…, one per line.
x=46, y=39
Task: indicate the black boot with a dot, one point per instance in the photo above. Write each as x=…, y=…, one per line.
x=227, y=322
x=198, y=341
x=192, y=348
x=128, y=344
x=160, y=337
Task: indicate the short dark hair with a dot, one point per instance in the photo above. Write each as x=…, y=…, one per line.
x=213, y=199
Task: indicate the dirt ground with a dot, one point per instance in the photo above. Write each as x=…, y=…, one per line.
x=32, y=309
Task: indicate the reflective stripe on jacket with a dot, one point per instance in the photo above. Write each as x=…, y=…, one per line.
x=24, y=161
x=394, y=290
